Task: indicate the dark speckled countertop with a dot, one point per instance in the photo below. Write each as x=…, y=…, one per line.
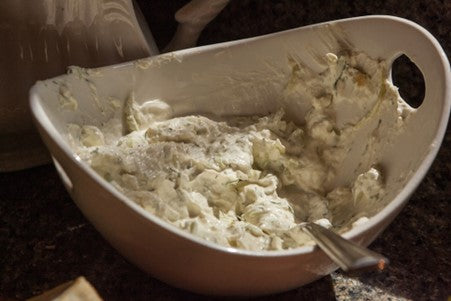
x=45, y=240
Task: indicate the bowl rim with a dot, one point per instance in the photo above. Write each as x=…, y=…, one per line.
x=42, y=121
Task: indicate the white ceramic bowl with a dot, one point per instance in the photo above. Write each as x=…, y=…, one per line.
x=202, y=80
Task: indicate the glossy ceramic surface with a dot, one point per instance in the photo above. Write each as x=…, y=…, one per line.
x=202, y=80
x=40, y=39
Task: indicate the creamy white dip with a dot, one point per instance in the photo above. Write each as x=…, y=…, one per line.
x=246, y=182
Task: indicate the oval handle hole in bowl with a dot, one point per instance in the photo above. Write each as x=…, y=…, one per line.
x=409, y=79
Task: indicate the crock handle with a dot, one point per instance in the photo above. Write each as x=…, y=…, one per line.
x=192, y=18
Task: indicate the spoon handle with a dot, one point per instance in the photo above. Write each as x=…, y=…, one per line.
x=345, y=253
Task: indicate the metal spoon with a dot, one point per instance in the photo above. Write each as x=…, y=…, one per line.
x=346, y=254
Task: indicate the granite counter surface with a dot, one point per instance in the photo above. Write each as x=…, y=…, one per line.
x=45, y=240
